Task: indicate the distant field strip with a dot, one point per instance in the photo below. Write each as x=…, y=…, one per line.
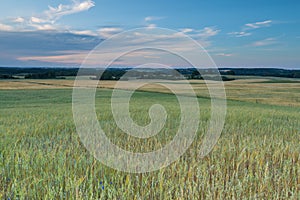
x=275, y=91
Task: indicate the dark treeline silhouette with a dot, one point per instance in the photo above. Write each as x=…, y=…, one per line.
x=261, y=72
x=154, y=73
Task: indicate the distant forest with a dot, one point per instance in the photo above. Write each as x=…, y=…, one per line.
x=160, y=73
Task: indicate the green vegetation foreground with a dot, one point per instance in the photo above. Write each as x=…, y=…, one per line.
x=41, y=156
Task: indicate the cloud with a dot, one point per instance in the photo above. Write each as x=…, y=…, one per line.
x=152, y=18
x=84, y=32
x=149, y=19
x=72, y=59
x=44, y=27
x=31, y=48
x=19, y=20
x=37, y=20
x=259, y=24
x=224, y=54
x=4, y=27
x=50, y=48
x=61, y=10
x=39, y=40
x=265, y=42
x=251, y=26
x=108, y=31
x=202, y=34
x=46, y=20
x=186, y=30
x=240, y=34
x=208, y=32
x=151, y=26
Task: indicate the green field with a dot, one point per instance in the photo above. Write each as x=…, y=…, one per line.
x=42, y=157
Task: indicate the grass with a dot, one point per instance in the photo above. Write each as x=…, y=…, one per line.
x=41, y=156
x=265, y=90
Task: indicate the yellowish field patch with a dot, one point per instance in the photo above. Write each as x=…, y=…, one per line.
x=253, y=90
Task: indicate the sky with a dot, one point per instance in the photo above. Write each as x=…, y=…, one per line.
x=235, y=33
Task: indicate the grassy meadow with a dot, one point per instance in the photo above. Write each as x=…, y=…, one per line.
x=256, y=157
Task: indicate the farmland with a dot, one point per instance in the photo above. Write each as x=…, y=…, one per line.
x=256, y=157
x=266, y=90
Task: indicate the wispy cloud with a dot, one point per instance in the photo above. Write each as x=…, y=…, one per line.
x=251, y=26
x=38, y=20
x=44, y=27
x=152, y=18
x=4, y=27
x=187, y=30
x=151, y=26
x=240, y=34
x=84, y=32
x=203, y=36
x=208, y=32
x=46, y=20
x=19, y=20
x=265, y=42
x=204, y=33
x=149, y=21
x=72, y=59
x=260, y=24
x=109, y=31
x=224, y=54
x=55, y=13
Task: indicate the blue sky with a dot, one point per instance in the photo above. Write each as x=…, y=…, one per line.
x=235, y=33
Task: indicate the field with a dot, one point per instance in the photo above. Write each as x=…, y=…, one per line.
x=256, y=157
x=266, y=90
